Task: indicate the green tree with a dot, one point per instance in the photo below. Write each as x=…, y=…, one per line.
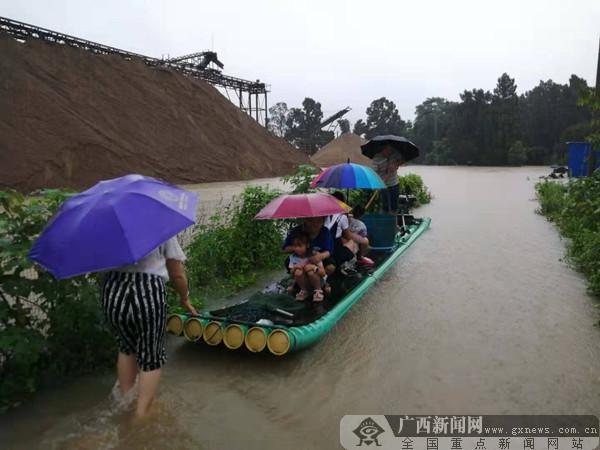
x=383, y=118
x=517, y=154
x=344, y=125
x=440, y=153
x=301, y=179
x=505, y=111
x=540, y=114
x=360, y=127
x=506, y=88
x=304, y=127
x=574, y=114
x=591, y=98
x=432, y=121
x=277, y=119
x=470, y=132
x=551, y=116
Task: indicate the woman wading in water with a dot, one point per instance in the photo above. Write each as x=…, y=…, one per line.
x=133, y=299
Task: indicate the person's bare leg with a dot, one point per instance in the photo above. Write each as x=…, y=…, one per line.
x=127, y=370
x=148, y=385
x=314, y=278
x=300, y=279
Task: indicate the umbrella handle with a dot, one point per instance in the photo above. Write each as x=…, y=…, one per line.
x=375, y=194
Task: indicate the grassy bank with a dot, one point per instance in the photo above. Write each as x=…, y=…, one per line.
x=575, y=209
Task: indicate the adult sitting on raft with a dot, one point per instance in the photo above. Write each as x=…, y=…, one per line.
x=386, y=164
x=321, y=245
x=343, y=255
x=134, y=302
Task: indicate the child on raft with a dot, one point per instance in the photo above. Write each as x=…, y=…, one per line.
x=299, y=259
x=359, y=245
x=312, y=275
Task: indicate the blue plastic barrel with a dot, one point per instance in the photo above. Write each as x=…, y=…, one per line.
x=381, y=229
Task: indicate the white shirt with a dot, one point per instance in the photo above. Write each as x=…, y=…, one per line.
x=155, y=262
x=342, y=224
x=358, y=227
x=296, y=260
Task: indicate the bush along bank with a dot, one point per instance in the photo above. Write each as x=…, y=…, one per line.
x=413, y=184
x=232, y=249
x=52, y=330
x=575, y=208
x=410, y=184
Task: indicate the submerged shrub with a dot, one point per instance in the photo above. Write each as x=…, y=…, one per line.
x=552, y=198
x=301, y=179
x=517, y=154
x=233, y=247
x=49, y=329
x=413, y=184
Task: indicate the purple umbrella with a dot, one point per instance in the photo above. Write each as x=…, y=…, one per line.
x=114, y=223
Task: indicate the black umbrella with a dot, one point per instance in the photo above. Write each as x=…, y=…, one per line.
x=407, y=149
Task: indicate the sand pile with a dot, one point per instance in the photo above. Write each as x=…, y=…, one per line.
x=69, y=118
x=339, y=150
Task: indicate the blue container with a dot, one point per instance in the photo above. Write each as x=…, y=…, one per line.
x=579, y=155
x=381, y=229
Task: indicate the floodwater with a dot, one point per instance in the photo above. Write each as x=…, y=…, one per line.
x=216, y=195
x=480, y=316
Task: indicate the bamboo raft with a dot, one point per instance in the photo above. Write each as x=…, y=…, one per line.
x=285, y=332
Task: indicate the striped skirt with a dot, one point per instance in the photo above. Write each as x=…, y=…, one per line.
x=135, y=306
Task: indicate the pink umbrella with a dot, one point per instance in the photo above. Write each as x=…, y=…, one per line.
x=294, y=206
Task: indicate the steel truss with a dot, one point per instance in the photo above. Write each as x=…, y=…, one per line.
x=248, y=93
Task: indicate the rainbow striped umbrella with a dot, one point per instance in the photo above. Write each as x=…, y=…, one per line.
x=348, y=176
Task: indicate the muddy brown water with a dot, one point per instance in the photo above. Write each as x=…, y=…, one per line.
x=481, y=315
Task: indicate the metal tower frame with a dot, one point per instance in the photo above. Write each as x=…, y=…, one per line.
x=195, y=65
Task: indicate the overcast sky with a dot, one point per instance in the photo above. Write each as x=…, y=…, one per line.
x=347, y=53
